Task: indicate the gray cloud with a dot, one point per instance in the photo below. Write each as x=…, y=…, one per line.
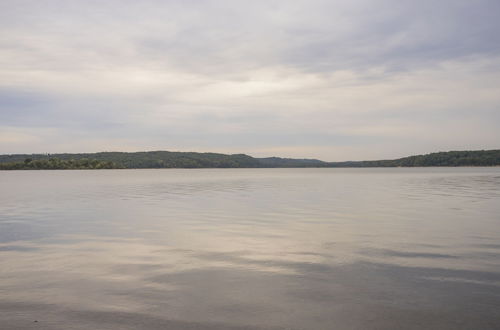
x=328, y=79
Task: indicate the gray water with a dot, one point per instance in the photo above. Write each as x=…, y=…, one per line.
x=250, y=249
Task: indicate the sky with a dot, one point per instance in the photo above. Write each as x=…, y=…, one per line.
x=333, y=80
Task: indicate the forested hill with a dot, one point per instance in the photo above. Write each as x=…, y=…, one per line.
x=167, y=159
x=147, y=159
x=448, y=158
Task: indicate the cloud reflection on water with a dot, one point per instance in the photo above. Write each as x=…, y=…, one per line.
x=307, y=249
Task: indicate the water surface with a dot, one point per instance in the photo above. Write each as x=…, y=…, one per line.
x=250, y=249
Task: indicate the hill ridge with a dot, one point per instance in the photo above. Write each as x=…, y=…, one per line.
x=180, y=159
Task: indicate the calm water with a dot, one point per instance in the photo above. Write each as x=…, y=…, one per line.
x=250, y=249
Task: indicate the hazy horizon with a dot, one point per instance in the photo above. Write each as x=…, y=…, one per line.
x=331, y=80
x=297, y=157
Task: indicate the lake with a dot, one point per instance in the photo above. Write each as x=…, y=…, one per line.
x=393, y=248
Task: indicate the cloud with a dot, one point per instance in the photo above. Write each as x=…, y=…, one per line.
x=328, y=79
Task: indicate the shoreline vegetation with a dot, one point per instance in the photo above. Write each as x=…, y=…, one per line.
x=168, y=159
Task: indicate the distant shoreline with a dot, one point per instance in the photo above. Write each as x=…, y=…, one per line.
x=248, y=168
x=194, y=160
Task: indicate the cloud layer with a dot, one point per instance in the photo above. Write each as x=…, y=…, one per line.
x=334, y=80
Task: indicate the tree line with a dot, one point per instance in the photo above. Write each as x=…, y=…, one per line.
x=448, y=158
x=168, y=159
x=59, y=164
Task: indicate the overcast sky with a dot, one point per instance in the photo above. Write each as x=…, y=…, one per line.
x=334, y=80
